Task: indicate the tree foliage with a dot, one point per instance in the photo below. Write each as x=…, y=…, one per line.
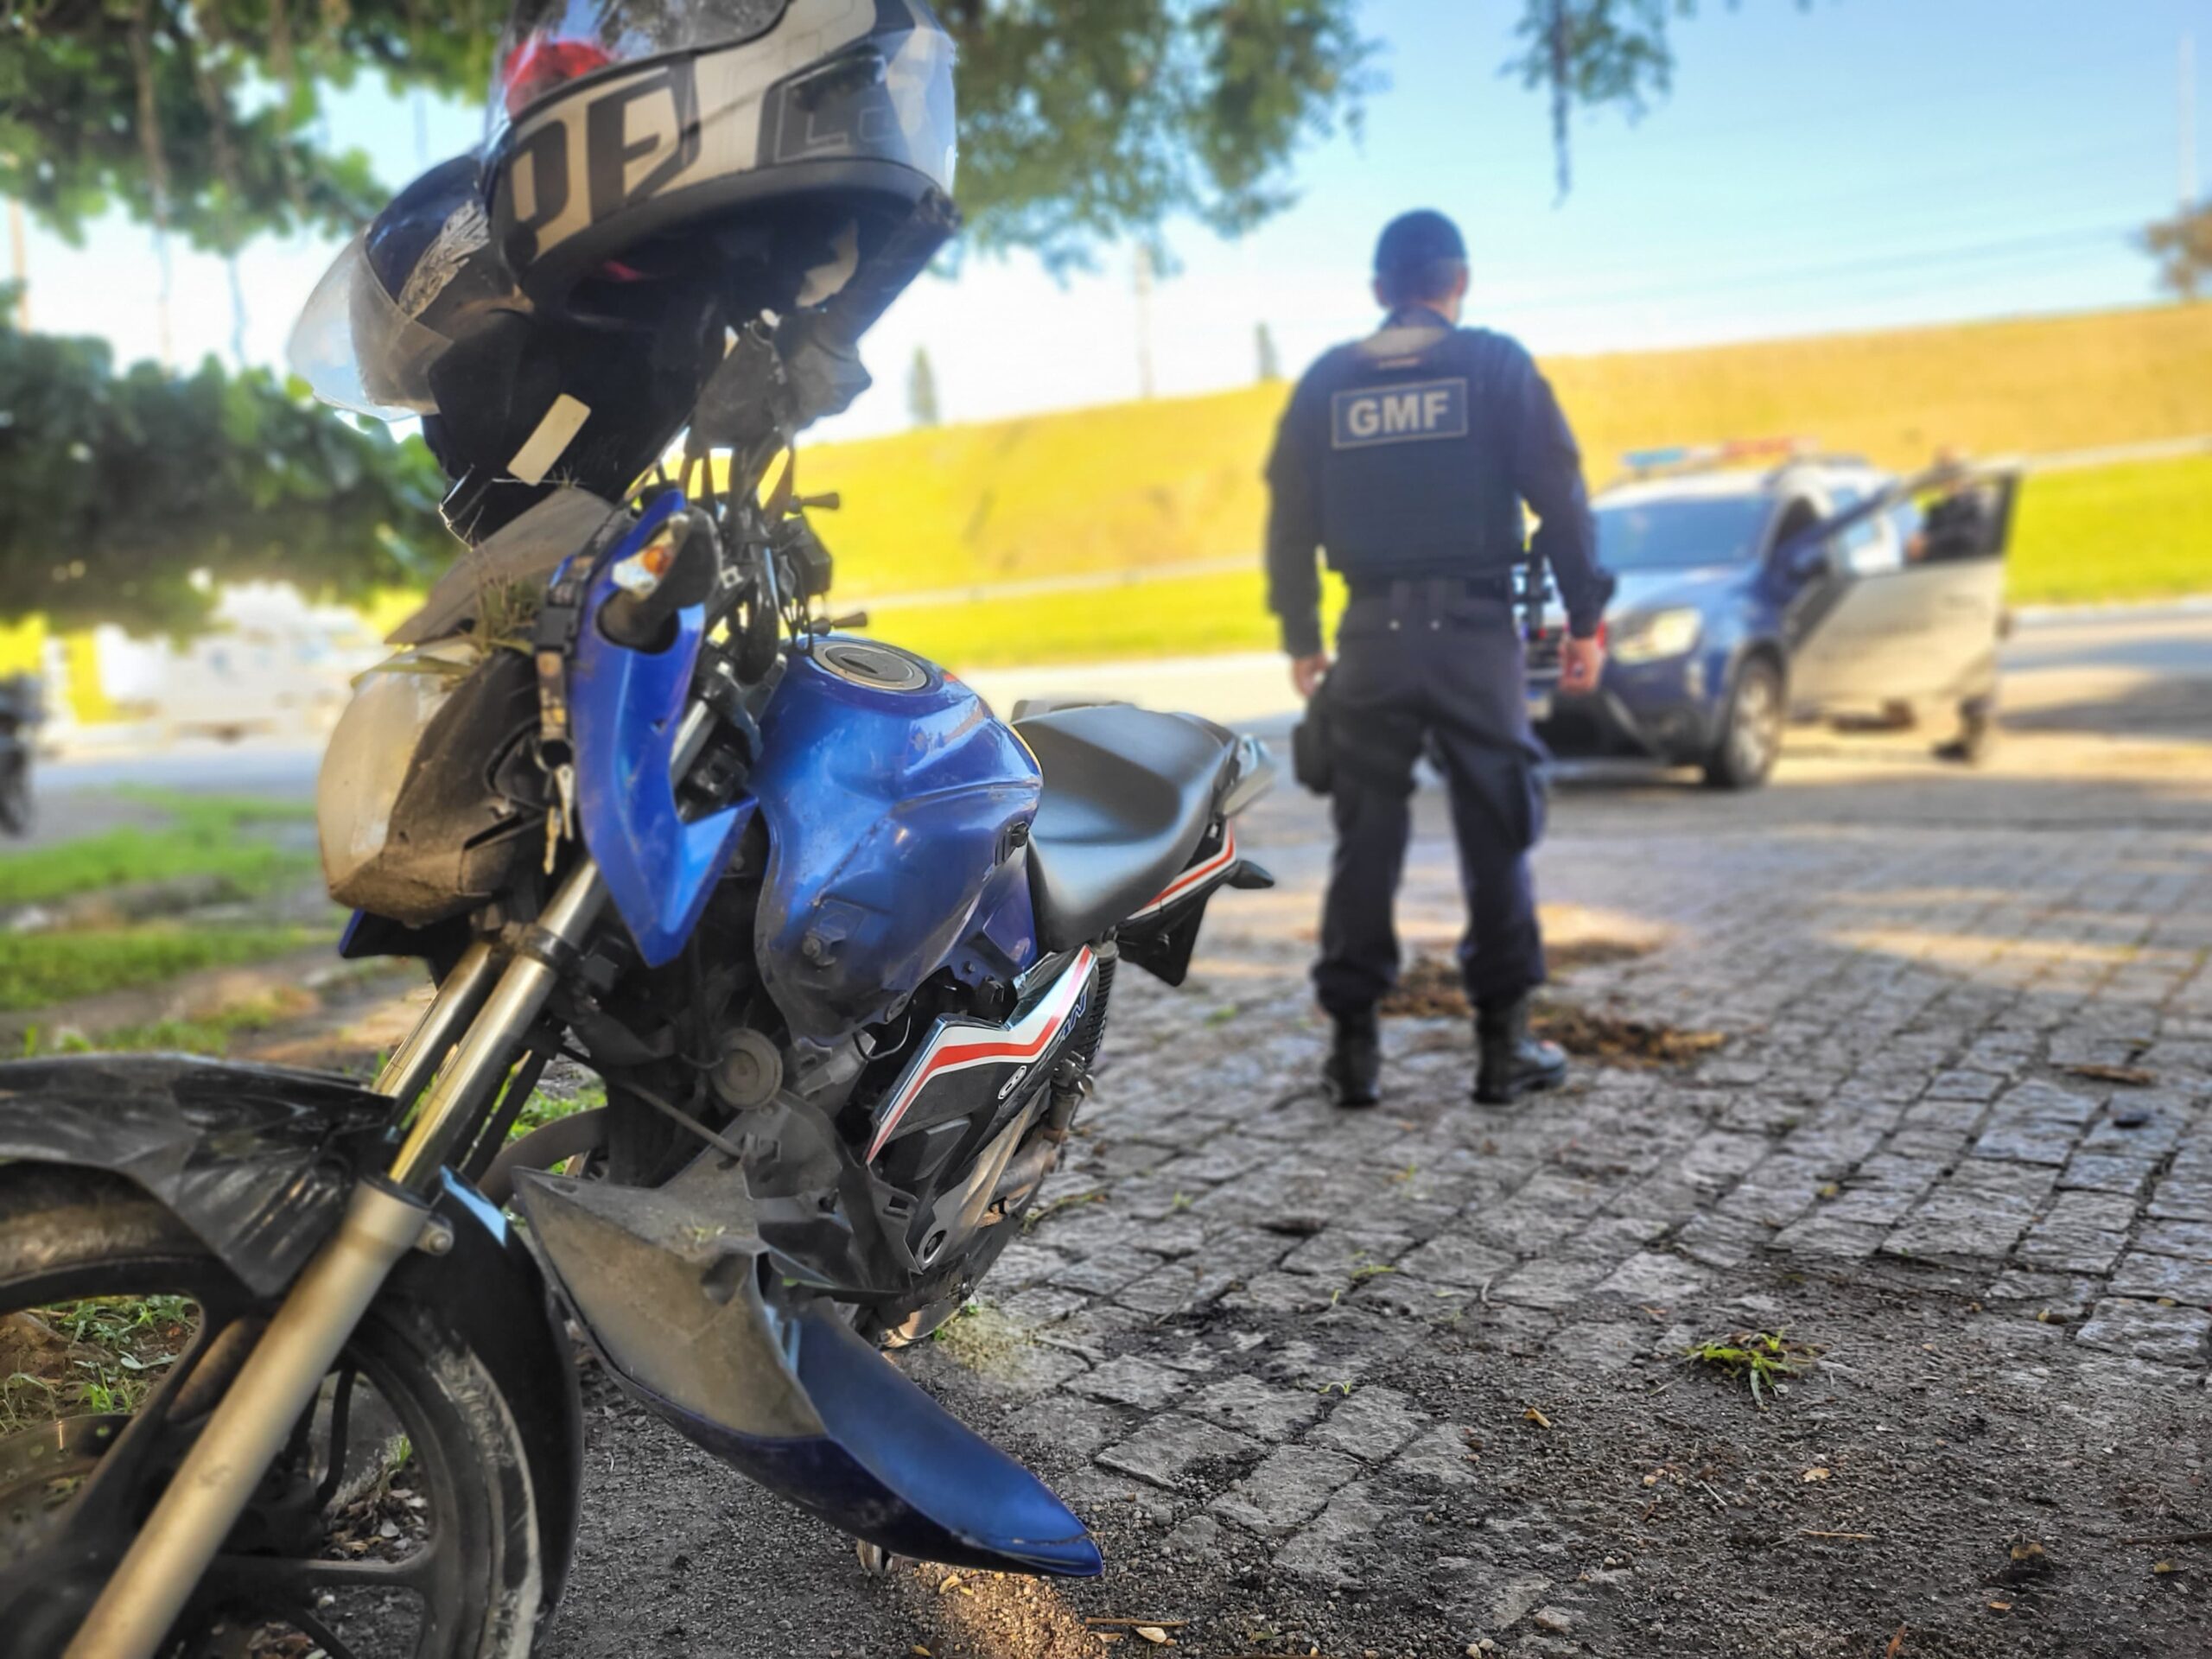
x=116, y=488
x=1081, y=119
x=1597, y=53
x=2183, y=247
x=235, y=89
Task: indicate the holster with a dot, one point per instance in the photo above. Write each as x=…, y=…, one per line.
x=1312, y=744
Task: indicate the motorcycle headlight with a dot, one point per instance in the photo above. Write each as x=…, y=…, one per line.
x=417, y=806
x=1658, y=636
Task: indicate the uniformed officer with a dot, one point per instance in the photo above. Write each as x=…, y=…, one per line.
x=1406, y=456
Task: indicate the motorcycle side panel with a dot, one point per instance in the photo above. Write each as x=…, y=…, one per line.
x=668, y=1284
x=890, y=807
x=626, y=706
x=257, y=1161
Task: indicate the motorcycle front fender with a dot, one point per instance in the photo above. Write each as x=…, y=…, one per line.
x=257, y=1161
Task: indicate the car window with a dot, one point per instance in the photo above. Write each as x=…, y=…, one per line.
x=1679, y=534
x=1869, y=547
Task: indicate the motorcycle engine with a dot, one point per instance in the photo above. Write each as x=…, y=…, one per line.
x=429, y=800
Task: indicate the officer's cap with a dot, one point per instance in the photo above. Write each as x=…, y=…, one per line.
x=1412, y=242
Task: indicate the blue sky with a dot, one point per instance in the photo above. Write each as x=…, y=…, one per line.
x=1852, y=164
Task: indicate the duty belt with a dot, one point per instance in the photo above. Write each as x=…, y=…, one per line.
x=1499, y=586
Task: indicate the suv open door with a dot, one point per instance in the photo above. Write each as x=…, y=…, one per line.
x=1900, y=597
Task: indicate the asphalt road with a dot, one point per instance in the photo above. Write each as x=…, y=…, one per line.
x=2159, y=659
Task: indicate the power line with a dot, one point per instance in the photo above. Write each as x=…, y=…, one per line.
x=1902, y=259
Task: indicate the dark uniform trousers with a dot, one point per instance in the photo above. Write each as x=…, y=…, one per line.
x=1432, y=666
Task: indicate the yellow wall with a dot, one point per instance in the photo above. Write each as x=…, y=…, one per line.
x=1177, y=480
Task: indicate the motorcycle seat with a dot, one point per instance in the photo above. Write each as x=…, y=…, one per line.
x=1127, y=797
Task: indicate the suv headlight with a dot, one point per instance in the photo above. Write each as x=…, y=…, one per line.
x=1657, y=636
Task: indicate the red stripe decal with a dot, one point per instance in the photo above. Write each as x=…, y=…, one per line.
x=956, y=1048
x=1192, y=878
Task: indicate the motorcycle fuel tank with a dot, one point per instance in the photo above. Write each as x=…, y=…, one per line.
x=892, y=798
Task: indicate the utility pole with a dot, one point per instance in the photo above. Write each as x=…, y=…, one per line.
x=1144, y=321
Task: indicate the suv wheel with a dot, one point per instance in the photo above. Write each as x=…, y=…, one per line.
x=1751, y=731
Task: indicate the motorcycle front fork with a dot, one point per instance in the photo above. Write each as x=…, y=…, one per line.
x=461, y=1047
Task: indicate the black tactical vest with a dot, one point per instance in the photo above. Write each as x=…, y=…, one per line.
x=1416, y=467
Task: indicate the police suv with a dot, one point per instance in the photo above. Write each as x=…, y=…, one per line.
x=1751, y=596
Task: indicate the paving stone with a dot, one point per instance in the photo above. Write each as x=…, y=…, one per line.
x=1180, y=1452
x=1289, y=1488
x=1279, y=1294
x=1020, y=1265
x=1371, y=1423
x=2176, y=1238
x=1648, y=1277
x=2055, y=1295
x=1337, y=1251
x=1335, y=1547
x=1132, y=1380
x=2106, y=1172
x=2173, y=1336
x=1040, y=1305
x=1833, y=1236
x=1455, y=1258
x=1611, y=1238
x=1401, y=1296
x=1107, y=1271
x=1033, y=1368
x=2180, y=1197
x=1097, y=1331
x=1721, y=1241
x=2182, y=1279
x=1980, y=1212
x=1436, y=1460
x=1963, y=1085
x=1072, y=1424
x=1604, y=1347
x=1177, y=1288
x=1720, y=1159
x=1882, y=1190
x=1251, y=1406
x=1552, y=1281
x=2081, y=1232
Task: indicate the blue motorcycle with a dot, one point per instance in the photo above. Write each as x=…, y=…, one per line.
x=841, y=945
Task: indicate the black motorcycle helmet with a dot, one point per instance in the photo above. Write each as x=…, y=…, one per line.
x=653, y=175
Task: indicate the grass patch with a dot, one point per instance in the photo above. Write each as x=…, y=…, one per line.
x=203, y=836
x=102, y=1354
x=38, y=969
x=2142, y=531
x=543, y=1107
x=211, y=1033
x=1190, y=616
x=1175, y=480
x=1764, y=1359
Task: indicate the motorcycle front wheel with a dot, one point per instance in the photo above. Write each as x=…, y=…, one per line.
x=397, y=1524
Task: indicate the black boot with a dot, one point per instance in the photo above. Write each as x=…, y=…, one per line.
x=1354, y=1069
x=1512, y=1062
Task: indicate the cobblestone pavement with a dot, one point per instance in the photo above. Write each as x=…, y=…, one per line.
x=1411, y=1382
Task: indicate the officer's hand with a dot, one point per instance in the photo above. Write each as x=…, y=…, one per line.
x=1305, y=673
x=1581, y=662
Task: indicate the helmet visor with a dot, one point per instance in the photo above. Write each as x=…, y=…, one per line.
x=355, y=348
x=549, y=43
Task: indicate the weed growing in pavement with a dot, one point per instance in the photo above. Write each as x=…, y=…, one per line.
x=1762, y=1358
